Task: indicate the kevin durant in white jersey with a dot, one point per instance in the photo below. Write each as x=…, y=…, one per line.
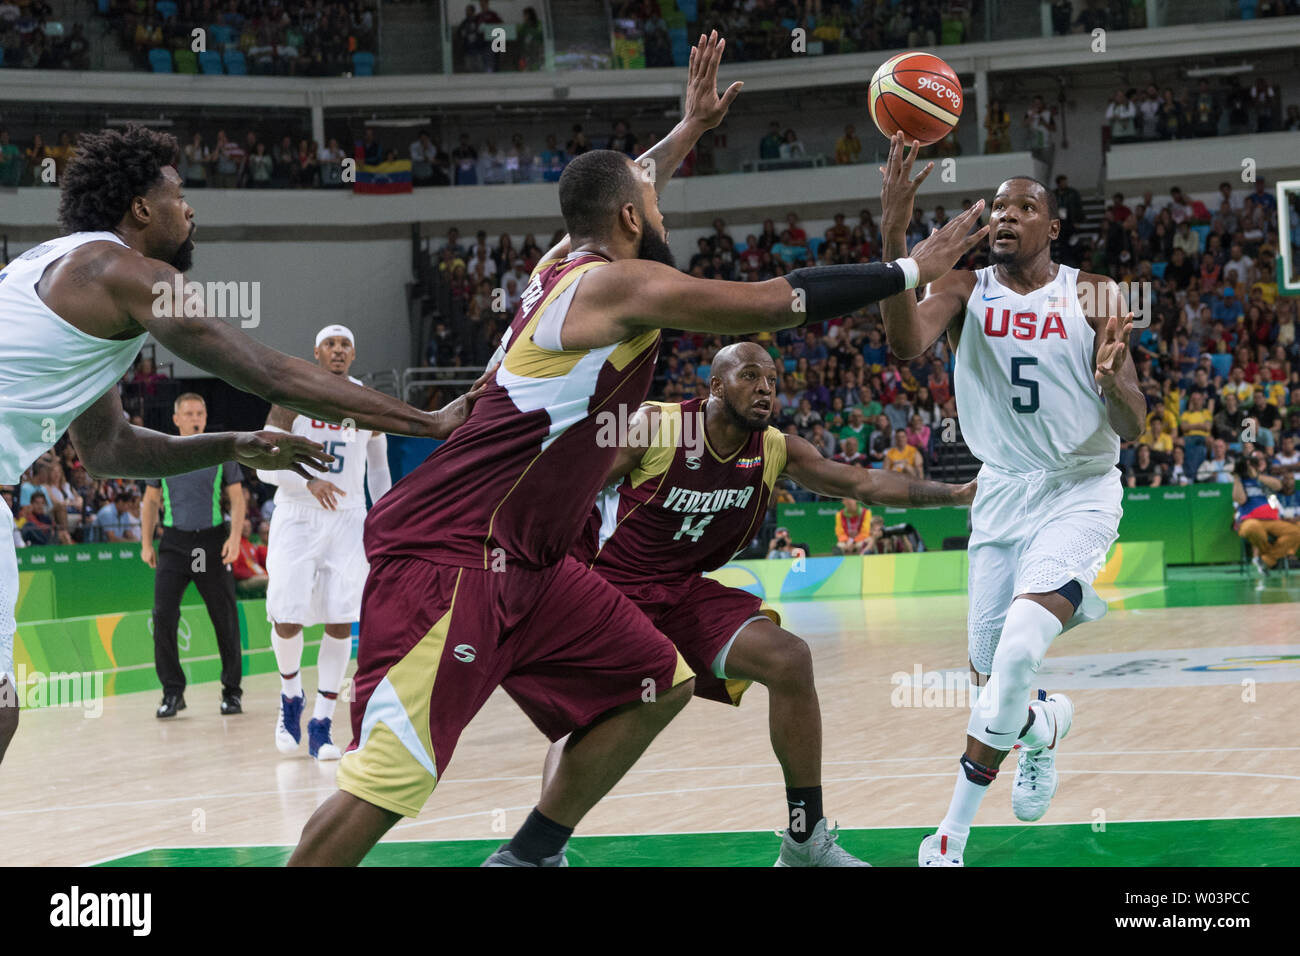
x=316, y=559
x=1045, y=390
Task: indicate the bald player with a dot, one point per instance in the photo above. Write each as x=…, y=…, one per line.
x=675, y=508
x=1045, y=389
x=471, y=583
x=316, y=560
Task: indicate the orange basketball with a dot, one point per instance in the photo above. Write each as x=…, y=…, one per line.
x=917, y=93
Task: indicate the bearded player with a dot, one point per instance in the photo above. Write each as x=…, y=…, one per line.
x=688, y=490
x=316, y=560
x=471, y=582
x=1045, y=391
x=74, y=312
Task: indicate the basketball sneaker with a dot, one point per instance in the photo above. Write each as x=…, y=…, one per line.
x=319, y=744
x=288, y=726
x=940, y=849
x=819, y=849
x=1036, y=776
x=503, y=857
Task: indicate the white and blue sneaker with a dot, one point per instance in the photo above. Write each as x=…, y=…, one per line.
x=1036, y=776
x=504, y=857
x=940, y=849
x=319, y=744
x=288, y=725
x=820, y=849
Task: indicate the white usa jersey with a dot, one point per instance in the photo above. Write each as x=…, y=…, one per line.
x=1024, y=382
x=352, y=448
x=50, y=371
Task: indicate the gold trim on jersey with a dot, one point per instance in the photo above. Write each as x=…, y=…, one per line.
x=526, y=358
x=658, y=457
x=775, y=456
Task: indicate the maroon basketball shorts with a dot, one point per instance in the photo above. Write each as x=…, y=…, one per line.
x=437, y=640
x=701, y=617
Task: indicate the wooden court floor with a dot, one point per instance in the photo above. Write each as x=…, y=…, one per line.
x=1184, y=710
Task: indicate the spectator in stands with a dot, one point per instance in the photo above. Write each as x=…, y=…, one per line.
x=769, y=147
x=119, y=520
x=330, y=160
x=918, y=435
x=1286, y=460
x=1145, y=472
x=249, y=569
x=11, y=160
x=34, y=156
x=579, y=144
x=35, y=523
x=779, y=547
x=552, y=160
x=1040, y=121
x=881, y=440
x=1205, y=111
x=849, y=453
x=1172, y=121
x=621, y=139
x=821, y=439
x=1178, y=467
x=903, y=457
x=997, y=126
x=1218, y=466
x=531, y=42
x=852, y=527
x=1121, y=117
x=791, y=146
x=260, y=168
x=848, y=148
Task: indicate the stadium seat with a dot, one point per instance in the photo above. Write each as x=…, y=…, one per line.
x=363, y=64
x=1222, y=362
x=166, y=8
x=1158, y=269
x=815, y=244
x=210, y=63
x=160, y=61
x=1204, y=233
x=235, y=63
x=791, y=364
x=103, y=6
x=690, y=9
x=186, y=61
x=220, y=35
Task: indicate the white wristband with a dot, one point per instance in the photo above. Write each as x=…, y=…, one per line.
x=911, y=272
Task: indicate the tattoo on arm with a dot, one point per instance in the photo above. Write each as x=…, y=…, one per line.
x=923, y=494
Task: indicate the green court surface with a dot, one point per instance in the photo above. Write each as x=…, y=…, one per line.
x=1260, y=841
x=1215, y=586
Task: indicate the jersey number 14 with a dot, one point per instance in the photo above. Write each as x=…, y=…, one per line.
x=694, y=530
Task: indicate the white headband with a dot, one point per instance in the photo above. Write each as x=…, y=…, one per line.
x=329, y=330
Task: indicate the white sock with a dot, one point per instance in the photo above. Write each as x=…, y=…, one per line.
x=288, y=659
x=331, y=665
x=966, y=799
x=1042, y=730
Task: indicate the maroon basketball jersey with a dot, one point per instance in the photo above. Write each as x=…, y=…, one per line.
x=684, y=509
x=515, y=483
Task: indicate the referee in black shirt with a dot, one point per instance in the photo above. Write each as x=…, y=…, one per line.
x=196, y=546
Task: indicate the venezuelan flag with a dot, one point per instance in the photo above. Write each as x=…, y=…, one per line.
x=394, y=177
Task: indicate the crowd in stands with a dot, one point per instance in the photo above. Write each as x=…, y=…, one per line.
x=271, y=37
x=482, y=42
x=29, y=39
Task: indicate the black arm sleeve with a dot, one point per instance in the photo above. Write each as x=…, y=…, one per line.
x=832, y=291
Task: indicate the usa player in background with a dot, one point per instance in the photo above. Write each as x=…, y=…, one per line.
x=315, y=559
x=1045, y=390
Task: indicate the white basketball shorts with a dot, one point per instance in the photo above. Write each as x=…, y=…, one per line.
x=1032, y=536
x=317, y=565
x=8, y=594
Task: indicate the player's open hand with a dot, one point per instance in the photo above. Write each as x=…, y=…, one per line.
x=277, y=451
x=452, y=415
x=965, y=494
x=937, y=254
x=325, y=492
x=1113, y=351
x=703, y=104
x=898, y=191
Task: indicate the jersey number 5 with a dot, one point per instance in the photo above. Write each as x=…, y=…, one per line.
x=694, y=531
x=335, y=448
x=1021, y=405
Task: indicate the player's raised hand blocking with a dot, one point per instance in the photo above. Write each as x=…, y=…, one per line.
x=898, y=191
x=276, y=451
x=938, y=253
x=703, y=104
x=1113, y=350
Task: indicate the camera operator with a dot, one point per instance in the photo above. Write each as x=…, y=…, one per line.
x=1258, y=518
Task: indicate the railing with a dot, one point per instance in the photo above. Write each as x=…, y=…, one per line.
x=459, y=377
x=386, y=380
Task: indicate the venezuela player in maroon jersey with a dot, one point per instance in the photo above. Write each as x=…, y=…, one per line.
x=689, y=490
x=471, y=584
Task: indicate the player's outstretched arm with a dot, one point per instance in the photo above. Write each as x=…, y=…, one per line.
x=911, y=328
x=604, y=312
x=705, y=109
x=805, y=465
x=245, y=363
x=110, y=447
